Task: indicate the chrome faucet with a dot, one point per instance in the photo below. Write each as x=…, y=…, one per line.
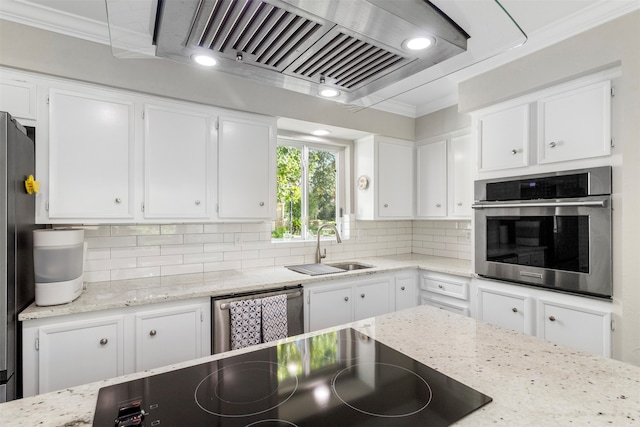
x=319, y=256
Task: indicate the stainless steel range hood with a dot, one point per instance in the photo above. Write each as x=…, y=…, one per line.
x=354, y=46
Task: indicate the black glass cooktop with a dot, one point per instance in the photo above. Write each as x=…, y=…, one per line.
x=341, y=378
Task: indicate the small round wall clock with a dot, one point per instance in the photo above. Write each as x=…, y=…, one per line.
x=363, y=182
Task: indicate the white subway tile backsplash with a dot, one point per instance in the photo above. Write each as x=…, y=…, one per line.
x=152, y=261
x=169, y=239
x=135, y=273
x=172, y=270
x=111, y=242
x=134, y=230
x=118, y=252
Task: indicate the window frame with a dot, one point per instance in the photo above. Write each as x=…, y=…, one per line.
x=342, y=150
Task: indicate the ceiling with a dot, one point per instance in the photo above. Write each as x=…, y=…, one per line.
x=543, y=21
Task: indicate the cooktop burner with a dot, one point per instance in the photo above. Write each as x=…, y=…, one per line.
x=337, y=378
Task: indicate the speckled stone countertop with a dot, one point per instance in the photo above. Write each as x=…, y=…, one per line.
x=116, y=294
x=531, y=381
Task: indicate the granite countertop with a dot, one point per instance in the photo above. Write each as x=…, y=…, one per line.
x=122, y=293
x=531, y=381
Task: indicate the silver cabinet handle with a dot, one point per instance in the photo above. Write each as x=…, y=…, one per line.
x=552, y=318
x=515, y=310
x=153, y=332
x=261, y=203
x=553, y=144
x=402, y=288
x=361, y=295
x=197, y=202
x=440, y=286
x=118, y=200
x=514, y=151
x=346, y=298
x=459, y=203
x=104, y=341
x=386, y=205
x=438, y=205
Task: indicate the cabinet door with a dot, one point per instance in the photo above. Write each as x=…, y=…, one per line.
x=509, y=311
x=575, y=124
x=329, y=307
x=432, y=179
x=504, y=139
x=18, y=98
x=580, y=328
x=168, y=336
x=372, y=299
x=246, y=168
x=460, y=176
x=80, y=352
x=406, y=292
x=395, y=180
x=91, y=152
x=176, y=163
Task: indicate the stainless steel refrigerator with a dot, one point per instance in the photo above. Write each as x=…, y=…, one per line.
x=17, y=222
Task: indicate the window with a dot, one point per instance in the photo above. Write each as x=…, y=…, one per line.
x=308, y=189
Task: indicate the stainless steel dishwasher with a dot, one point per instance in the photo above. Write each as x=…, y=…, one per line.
x=221, y=317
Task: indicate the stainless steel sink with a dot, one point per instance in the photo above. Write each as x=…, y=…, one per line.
x=319, y=269
x=349, y=266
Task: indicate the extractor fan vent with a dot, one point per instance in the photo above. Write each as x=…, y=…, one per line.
x=348, y=62
x=354, y=46
x=261, y=33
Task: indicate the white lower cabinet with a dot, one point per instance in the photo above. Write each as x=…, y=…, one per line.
x=507, y=310
x=372, y=298
x=406, y=291
x=445, y=291
x=79, y=352
x=569, y=320
x=168, y=336
x=342, y=301
x=329, y=305
x=582, y=328
x=67, y=351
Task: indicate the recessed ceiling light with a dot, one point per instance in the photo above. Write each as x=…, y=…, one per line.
x=419, y=43
x=205, y=60
x=329, y=92
x=320, y=132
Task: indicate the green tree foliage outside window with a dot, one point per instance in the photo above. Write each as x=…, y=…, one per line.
x=319, y=183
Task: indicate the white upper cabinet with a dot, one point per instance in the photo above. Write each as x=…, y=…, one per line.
x=384, y=178
x=246, y=167
x=461, y=161
x=444, y=186
x=432, y=180
x=91, y=156
x=504, y=138
x=177, y=162
x=575, y=124
x=565, y=123
x=18, y=97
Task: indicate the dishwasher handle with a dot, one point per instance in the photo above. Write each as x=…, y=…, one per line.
x=290, y=295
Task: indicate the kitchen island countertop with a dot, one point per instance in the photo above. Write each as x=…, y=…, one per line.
x=531, y=381
x=123, y=293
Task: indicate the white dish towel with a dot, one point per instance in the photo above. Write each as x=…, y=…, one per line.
x=246, y=323
x=274, y=318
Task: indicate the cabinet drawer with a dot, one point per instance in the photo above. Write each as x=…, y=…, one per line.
x=448, y=287
x=448, y=306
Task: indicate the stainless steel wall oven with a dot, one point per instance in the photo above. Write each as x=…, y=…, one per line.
x=549, y=230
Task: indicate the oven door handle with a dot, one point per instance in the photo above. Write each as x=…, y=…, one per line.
x=595, y=203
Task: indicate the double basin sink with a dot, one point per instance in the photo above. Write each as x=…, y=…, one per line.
x=320, y=269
